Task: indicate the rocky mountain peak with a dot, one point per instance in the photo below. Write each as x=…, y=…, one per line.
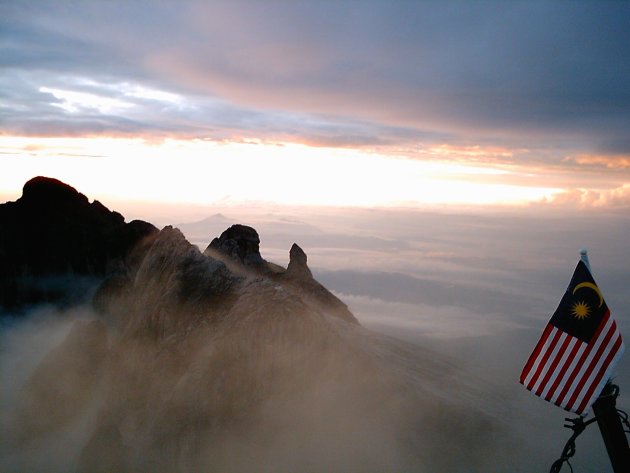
x=240, y=243
x=51, y=191
x=53, y=231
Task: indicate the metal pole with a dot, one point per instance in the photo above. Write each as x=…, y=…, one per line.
x=608, y=420
x=610, y=426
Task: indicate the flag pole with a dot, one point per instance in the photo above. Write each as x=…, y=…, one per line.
x=605, y=410
x=610, y=426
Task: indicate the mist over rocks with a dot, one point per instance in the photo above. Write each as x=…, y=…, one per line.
x=195, y=366
x=222, y=361
x=171, y=290
x=238, y=247
x=55, y=244
x=64, y=382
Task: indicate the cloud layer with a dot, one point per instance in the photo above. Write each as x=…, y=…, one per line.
x=535, y=74
x=471, y=291
x=476, y=287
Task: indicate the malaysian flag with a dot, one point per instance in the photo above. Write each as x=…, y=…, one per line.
x=578, y=349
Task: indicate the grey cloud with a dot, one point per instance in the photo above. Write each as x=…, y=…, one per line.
x=30, y=107
x=513, y=72
x=514, y=67
x=401, y=288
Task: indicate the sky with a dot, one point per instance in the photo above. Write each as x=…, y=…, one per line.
x=352, y=103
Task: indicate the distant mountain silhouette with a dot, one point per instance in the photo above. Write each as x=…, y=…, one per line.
x=53, y=234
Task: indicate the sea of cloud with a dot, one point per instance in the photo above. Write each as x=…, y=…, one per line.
x=475, y=286
x=473, y=290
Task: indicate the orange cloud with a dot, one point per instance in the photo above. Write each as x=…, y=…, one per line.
x=610, y=162
x=591, y=198
x=476, y=151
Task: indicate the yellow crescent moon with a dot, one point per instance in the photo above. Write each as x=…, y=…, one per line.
x=592, y=286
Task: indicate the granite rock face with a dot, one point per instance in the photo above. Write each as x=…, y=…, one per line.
x=239, y=248
x=240, y=243
x=172, y=289
x=54, y=243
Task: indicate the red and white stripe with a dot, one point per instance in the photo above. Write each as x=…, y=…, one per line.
x=570, y=373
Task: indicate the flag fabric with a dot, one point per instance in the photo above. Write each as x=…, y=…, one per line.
x=578, y=349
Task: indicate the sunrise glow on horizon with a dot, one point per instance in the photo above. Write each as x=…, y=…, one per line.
x=206, y=172
x=399, y=105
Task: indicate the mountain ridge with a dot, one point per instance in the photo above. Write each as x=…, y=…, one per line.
x=222, y=361
x=53, y=232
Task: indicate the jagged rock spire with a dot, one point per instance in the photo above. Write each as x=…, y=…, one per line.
x=297, y=263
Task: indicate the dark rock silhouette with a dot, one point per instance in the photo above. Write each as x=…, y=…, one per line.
x=239, y=248
x=297, y=264
x=54, y=244
x=298, y=277
x=240, y=243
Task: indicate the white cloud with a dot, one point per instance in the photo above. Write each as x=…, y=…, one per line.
x=439, y=322
x=138, y=91
x=128, y=89
x=72, y=101
x=592, y=198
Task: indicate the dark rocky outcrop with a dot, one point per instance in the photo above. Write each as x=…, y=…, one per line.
x=240, y=243
x=54, y=244
x=239, y=248
x=299, y=278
